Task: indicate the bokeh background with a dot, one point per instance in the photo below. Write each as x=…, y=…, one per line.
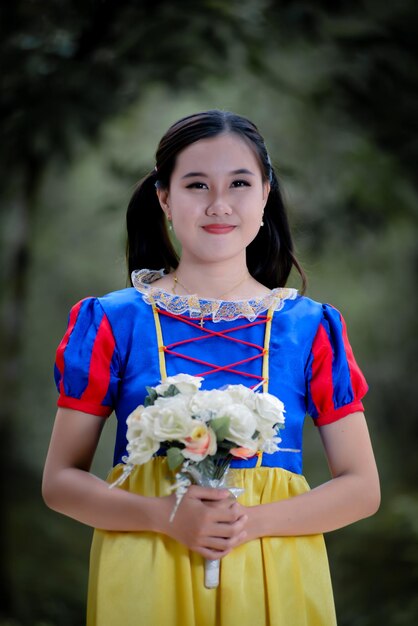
x=87, y=89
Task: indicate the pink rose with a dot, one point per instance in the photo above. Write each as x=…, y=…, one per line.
x=200, y=444
x=242, y=453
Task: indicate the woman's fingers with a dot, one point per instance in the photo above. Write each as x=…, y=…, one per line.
x=210, y=527
x=218, y=547
x=221, y=537
x=225, y=529
x=226, y=515
x=208, y=493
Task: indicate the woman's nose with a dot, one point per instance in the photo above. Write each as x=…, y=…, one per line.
x=218, y=205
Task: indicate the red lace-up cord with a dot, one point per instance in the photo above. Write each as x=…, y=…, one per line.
x=208, y=333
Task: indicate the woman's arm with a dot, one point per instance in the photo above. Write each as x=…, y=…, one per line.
x=352, y=494
x=207, y=521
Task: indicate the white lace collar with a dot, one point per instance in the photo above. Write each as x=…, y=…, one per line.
x=218, y=310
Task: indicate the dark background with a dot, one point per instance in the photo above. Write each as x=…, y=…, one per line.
x=87, y=89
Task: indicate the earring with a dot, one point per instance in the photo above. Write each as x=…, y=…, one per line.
x=262, y=223
x=170, y=225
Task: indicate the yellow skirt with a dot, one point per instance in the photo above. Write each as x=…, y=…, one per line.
x=147, y=579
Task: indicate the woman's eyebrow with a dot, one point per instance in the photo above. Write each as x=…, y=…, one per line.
x=243, y=170
x=192, y=174
x=232, y=173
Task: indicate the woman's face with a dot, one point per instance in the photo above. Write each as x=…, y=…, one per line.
x=216, y=198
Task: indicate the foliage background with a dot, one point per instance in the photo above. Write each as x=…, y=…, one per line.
x=88, y=87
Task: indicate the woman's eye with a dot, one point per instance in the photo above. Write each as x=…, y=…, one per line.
x=241, y=183
x=197, y=186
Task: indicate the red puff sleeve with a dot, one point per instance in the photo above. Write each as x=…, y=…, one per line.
x=86, y=361
x=335, y=383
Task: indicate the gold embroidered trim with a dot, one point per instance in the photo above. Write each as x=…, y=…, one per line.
x=266, y=351
x=160, y=342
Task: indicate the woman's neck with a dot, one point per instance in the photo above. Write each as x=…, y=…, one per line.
x=216, y=281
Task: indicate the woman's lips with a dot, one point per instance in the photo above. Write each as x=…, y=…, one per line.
x=218, y=229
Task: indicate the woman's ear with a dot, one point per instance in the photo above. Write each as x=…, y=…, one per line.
x=163, y=198
x=266, y=191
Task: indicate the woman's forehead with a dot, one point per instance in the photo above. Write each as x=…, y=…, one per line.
x=227, y=152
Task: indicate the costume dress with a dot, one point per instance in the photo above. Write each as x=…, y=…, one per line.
x=298, y=349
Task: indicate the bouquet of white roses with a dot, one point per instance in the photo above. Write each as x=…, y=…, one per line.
x=201, y=432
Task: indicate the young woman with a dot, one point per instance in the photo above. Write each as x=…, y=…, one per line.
x=221, y=310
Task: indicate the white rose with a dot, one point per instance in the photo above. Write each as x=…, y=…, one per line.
x=141, y=449
x=266, y=430
x=171, y=418
x=209, y=404
x=242, y=394
x=243, y=424
x=184, y=382
x=269, y=408
x=139, y=422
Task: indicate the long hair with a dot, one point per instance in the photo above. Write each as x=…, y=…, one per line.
x=270, y=256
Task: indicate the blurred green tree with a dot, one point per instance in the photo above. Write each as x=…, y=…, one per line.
x=68, y=66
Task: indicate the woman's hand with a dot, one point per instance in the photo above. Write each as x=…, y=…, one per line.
x=208, y=521
x=352, y=493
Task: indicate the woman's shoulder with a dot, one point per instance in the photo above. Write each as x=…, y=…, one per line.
x=120, y=298
x=113, y=305
x=303, y=306
x=318, y=310
x=305, y=316
x=123, y=304
x=123, y=309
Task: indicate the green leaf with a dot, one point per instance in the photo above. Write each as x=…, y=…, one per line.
x=207, y=466
x=220, y=426
x=171, y=391
x=226, y=445
x=151, y=397
x=174, y=458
